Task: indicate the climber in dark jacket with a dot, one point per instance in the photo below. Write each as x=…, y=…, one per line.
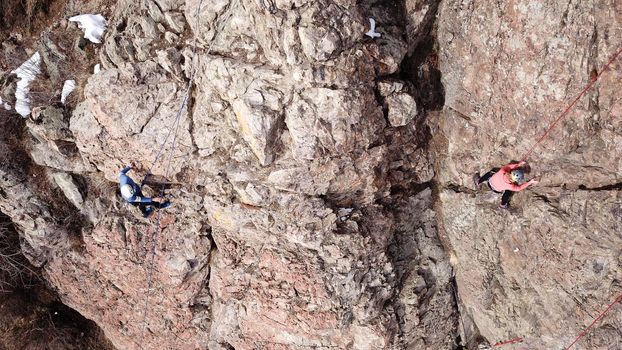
x=132, y=193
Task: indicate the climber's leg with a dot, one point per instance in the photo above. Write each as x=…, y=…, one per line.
x=146, y=209
x=505, y=199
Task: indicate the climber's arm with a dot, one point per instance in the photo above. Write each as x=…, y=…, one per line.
x=517, y=188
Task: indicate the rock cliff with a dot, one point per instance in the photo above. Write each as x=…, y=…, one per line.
x=545, y=269
x=321, y=178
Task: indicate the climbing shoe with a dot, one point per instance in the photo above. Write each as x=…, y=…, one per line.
x=476, y=180
x=147, y=213
x=503, y=206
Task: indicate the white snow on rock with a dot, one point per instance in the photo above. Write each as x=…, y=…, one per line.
x=68, y=87
x=96, y=69
x=26, y=73
x=372, y=32
x=93, y=25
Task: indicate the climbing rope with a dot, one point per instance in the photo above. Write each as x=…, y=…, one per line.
x=564, y=113
x=618, y=299
x=175, y=127
x=507, y=342
x=593, y=80
x=159, y=216
x=600, y=317
x=173, y=130
x=184, y=103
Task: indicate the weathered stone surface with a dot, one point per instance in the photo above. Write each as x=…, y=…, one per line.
x=127, y=115
x=420, y=15
x=176, y=21
x=49, y=124
x=54, y=145
x=324, y=121
x=563, y=262
x=402, y=109
x=316, y=185
x=112, y=282
x=259, y=128
x=69, y=188
x=31, y=215
x=282, y=133
x=425, y=272
x=133, y=33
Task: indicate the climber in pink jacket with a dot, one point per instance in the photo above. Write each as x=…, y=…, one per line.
x=506, y=180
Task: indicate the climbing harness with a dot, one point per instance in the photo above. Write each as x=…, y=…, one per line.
x=593, y=80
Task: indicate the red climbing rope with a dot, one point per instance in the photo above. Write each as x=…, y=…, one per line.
x=593, y=80
x=512, y=341
x=586, y=331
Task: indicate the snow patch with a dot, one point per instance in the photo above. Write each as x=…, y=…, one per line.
x=96, y=69
x=372, y=32
x=26, y=73
x=68, y=87
x=93, y=25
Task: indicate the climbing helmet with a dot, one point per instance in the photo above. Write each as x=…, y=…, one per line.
x=517, y=176
x=127, y=191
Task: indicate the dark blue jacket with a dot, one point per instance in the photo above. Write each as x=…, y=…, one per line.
x=126, y=180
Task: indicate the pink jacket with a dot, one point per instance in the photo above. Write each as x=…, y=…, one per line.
x=500, y=182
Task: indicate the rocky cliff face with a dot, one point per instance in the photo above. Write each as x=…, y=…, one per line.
x=319, y=177
x=546, y=268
